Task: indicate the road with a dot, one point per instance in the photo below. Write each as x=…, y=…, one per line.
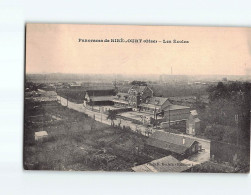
x=102, y=117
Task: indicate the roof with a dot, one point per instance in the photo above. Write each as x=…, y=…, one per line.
x=175, y=107
x=155, y=102
x=120, y=101
x=101, y=98
x=196, y=120
x=158, y=101
x=194, y=112
x=166, y=164
x=123, y=94
x=41, y=133
x=99, y=88
x=137, y=88
x=166, y=145
x=150, y=106
x=170, y=142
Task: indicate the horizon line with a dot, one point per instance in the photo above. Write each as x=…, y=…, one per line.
x=137, y=74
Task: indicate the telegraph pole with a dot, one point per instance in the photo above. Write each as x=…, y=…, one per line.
x=169, y=119
x=236, y=117
x=92, y=97
x=67, y=99
x=101, y=109
x=43, y=118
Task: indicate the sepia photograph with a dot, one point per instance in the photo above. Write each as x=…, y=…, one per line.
x=135, y=98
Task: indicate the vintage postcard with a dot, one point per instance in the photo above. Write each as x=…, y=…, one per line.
x=137, y=98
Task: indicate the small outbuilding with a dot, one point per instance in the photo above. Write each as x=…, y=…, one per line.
x=193, y=123
x=41, y=135
x=178, y=146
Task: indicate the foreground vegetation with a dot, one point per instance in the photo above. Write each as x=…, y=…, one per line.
x=227, y=116
x=77, y=142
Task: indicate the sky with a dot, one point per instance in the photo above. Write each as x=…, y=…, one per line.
x=55, y=48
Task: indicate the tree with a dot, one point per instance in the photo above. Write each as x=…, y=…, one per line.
x=141, y=83
x=218, y=92
x=214, y=132
x=229, y=109
x=112, y=116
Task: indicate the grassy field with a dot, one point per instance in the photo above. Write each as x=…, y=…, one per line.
x=77, y=142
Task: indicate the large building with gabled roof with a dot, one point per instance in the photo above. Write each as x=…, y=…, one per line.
x=138, y=94
x=193, y=123
x=173, y=144
x=154, y=104
x=158, y=109
x=99, y=95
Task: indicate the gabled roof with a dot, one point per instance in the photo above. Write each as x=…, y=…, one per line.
x=196, y=120
x=194, y=112
x=120, y=101
x=179, y=149
x=99, y=88
x=137, y=88
x=150, y=106
x=175, y=107
x=172, y=138
x=166, y=164
x=158, y=101
x=170, y=142
x=101, y=98
x=155, y=102
x=41, y=133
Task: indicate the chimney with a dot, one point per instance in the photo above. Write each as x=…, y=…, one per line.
x=183, y=140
